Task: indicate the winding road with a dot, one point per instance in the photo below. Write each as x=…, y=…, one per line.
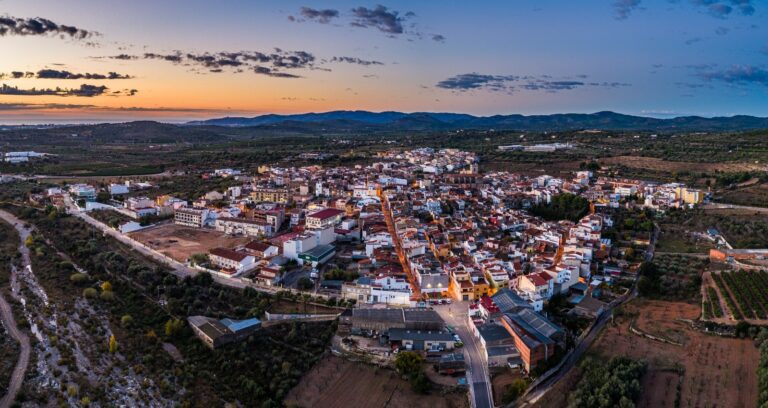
x=6, y=313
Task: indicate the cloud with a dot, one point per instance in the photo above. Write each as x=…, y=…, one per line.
x=511, y=83
x=381, y=18
x=724, y=8
x=764, y=50
x=41, y=26
x=84, y=90
x=11, y=106
x=270, y=72
x=354, y=60
x=57, y=74
x=270, y=64
x=741, y=75
x=693, y=40
x=124, y=57
x=722, y=30
x=474, y=80
x=323, y=16
x=623, y=8
x=438, y=37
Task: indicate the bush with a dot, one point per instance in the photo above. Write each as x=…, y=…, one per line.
x=514, y=390
x=90, y=293
x=78, y=278
x=607, y=385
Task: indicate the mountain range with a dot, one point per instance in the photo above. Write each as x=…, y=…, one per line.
x=421, y=121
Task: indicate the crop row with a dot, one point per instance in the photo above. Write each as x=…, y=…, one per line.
x=728, y=298
x=749, y=292
x=716, y=308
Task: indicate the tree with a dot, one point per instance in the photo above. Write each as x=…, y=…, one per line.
x=514, y=390
x=305, y=283
x=408, y=364
x=126, y=320
x=199, y=259
x=106, y=286
x=112, y=344
x=173, y=327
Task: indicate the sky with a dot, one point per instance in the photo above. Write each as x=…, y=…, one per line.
x=87, y=61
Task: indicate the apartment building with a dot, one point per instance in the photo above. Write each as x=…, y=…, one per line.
x=191, y=217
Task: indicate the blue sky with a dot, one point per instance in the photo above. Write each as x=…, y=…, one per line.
x=646, y=57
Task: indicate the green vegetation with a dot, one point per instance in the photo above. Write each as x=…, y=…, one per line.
x=409, y=364
x=728, y=298
x=672, y=277
x=750, y=290
x=341, y=274
x=514, y=390
x=615, y=383
x=562, y=207
x=256, y=372
x=714, y=301
x=742, y=228
x=762, y=369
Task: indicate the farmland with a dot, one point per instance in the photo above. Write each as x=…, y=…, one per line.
x=179, y=242
x=711, y=371
x=744, y=292
x=673, y=277
x=338, y=383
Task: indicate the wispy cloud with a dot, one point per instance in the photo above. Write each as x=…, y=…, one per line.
x=84, y=90
x=623, y=8
x=512, y=83
x=42, y=27
x=741, y=75
x=355, y=60
x=724, y=8
x=381, y=18
x=271, y=64
x=322, y=16
x=61, y=74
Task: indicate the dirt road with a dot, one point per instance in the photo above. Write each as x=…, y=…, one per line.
x=6, y=313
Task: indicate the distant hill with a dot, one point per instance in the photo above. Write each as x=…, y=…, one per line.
x=362, y=120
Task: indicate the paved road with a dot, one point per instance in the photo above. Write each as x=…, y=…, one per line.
x=718, y=206
x=6, y=313
x=478, y=375
x=542, y=388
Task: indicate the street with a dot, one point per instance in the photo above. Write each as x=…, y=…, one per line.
x=478, y=375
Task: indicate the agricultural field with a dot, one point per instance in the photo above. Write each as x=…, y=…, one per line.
x=753, y=194
x=705, y=371
x=745, y=293
x=742, y=228
x=339, y=383
x=673, y=277
x=179, y=242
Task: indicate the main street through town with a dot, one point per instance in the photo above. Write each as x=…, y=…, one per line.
x=478, y=374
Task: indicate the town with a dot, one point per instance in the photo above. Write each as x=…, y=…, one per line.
x=429, y=254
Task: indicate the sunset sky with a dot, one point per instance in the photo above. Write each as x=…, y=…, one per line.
x=74, y=61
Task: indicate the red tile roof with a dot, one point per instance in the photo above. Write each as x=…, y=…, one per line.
x=327, y=213
x=228, y=254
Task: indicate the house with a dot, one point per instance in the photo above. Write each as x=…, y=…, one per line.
x=243, y=226
x=231, y=262
x=191, y=217
x=535, y=337
x=421, y=339
x=270, y=194
x=118, y=189
x=83, y=192
x=382, y=320
x=216, y=333
x=261, y=249
x=324, y=218
x=539, y=283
